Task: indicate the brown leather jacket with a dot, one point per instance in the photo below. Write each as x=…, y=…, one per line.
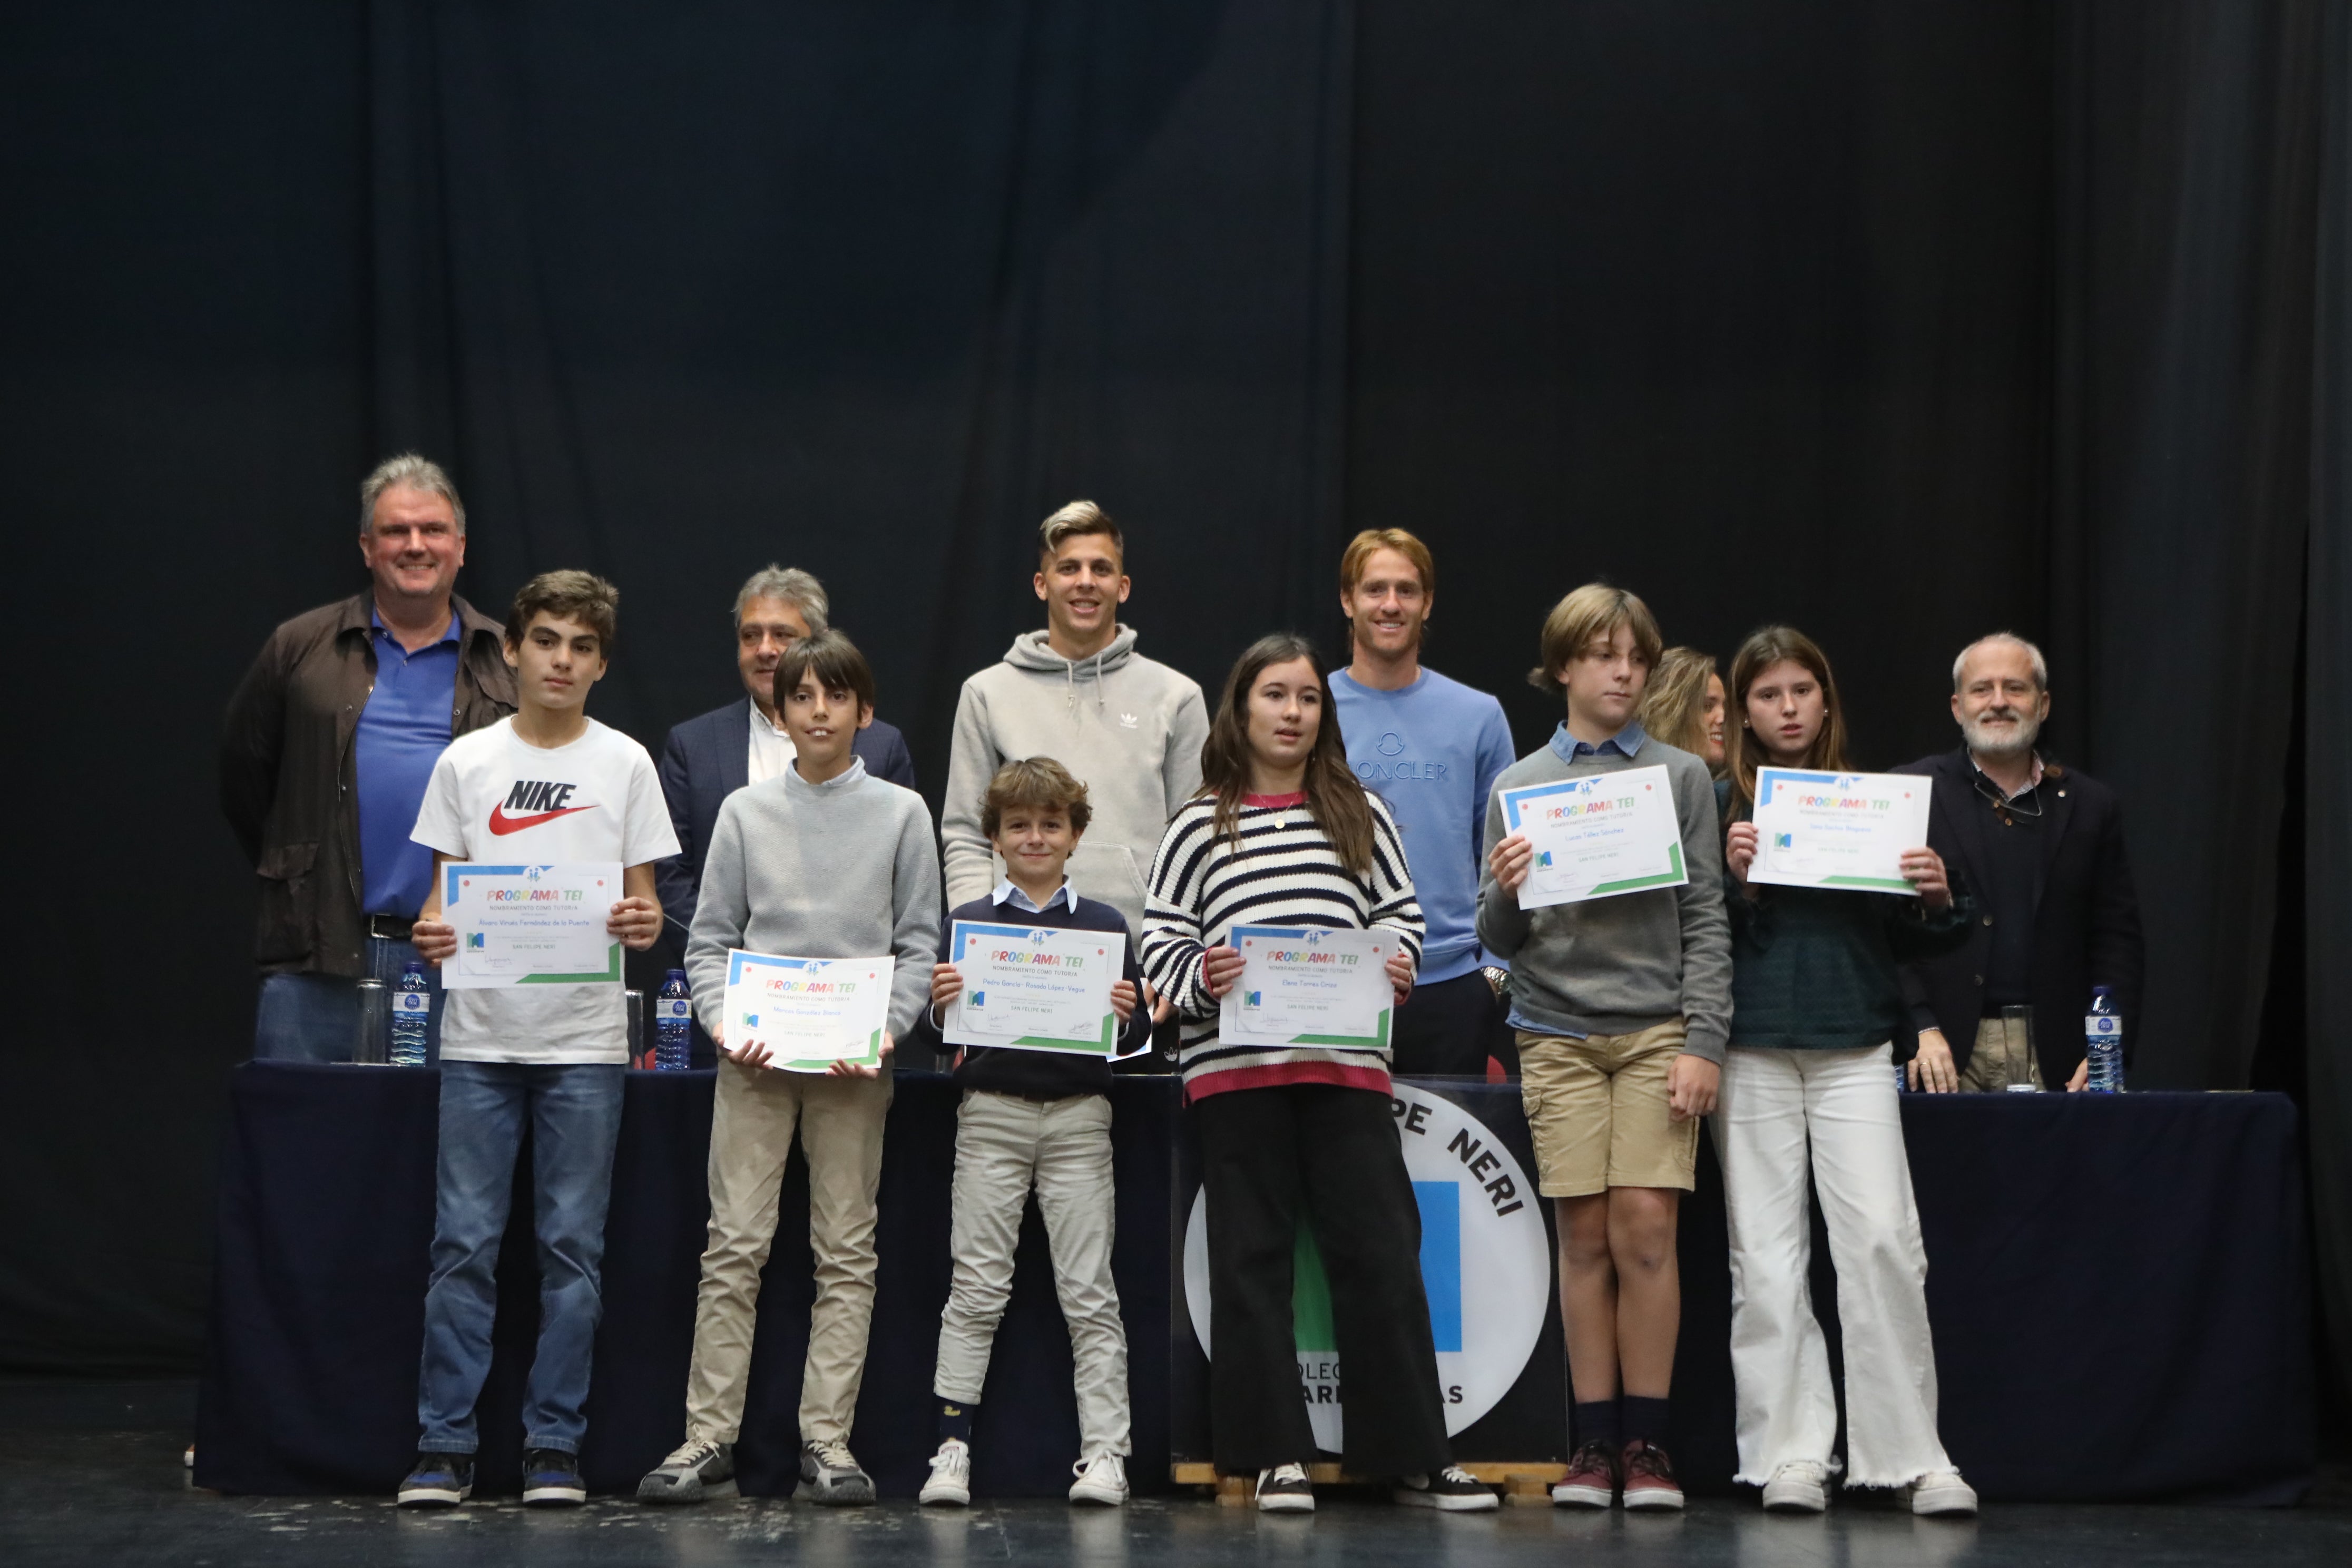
x=288, y=782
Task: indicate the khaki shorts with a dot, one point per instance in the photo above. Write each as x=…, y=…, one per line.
x=1597, y=1109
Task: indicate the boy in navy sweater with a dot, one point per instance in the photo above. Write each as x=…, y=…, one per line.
x=1041, y=1118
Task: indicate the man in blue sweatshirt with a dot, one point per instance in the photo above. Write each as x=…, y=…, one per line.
x=1432, y=749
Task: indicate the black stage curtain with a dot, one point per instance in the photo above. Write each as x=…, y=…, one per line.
x=2327, y=823
x=1896, y=323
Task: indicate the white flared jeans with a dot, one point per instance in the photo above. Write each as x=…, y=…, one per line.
x=1834, y=1115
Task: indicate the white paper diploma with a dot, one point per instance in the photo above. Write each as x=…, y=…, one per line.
x=1035, y=988
x=530, y=925
x=1837, y=830
x=1597, y=835
x=809, y=1012
x=1309, y=986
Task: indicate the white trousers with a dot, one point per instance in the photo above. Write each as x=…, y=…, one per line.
x=1005, y=1146
x=1774, y=1107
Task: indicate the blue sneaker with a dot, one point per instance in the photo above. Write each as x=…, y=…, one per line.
x=439, y=1480
x=550, y=1478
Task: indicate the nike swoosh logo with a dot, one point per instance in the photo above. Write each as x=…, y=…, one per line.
x=501, y=823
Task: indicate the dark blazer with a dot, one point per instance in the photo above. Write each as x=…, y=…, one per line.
x=708, y=759
x=2085, y=922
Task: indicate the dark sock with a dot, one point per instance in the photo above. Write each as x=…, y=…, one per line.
x=1597, y=1423
x=955, y=1419
x=1644, y=1419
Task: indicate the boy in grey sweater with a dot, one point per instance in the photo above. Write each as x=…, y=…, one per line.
x=1622, y=1008
x=821, y=861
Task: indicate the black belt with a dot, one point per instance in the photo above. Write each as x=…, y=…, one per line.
x=391, y=928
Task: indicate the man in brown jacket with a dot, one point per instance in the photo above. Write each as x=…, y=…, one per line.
x=329, y=743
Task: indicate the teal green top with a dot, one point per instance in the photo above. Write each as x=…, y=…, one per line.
x=1814, y=970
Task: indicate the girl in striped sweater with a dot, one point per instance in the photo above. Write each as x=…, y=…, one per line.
x=1283, y=834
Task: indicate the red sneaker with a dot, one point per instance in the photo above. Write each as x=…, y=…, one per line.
x=1650, y=1481
x=1591, y=1478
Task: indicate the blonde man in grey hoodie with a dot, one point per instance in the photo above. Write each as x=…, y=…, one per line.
x=1131, y=728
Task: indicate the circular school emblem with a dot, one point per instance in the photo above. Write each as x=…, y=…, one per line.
x=1486, y=1265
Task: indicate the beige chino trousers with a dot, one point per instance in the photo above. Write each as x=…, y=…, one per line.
x=1004, y=1146
x=839, y=1120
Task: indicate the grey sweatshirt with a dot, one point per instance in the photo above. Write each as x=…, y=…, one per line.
x=1128, y=728
x=1611, y=967
x=840, y=869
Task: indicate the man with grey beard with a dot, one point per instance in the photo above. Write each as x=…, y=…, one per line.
x=2041, y=847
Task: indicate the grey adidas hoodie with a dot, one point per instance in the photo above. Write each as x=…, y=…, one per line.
x=1128, y=728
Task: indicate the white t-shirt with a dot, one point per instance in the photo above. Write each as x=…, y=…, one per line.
x=494, y=797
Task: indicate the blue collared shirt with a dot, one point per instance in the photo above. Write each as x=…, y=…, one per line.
x=402, y=731
x=1064, y=895
x=1625, y=742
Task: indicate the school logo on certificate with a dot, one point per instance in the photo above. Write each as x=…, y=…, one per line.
x=1486, y=1269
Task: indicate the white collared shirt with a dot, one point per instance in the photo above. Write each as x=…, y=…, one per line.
x=772, y=748
x=1064, y=895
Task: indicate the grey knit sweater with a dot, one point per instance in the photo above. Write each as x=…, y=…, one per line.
x=1612, y=966
x=847, y=868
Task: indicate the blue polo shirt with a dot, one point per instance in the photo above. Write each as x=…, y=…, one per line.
x=402, y=730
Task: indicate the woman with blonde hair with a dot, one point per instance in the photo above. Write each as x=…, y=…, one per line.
x=1806, y=1092
x=1682, y=706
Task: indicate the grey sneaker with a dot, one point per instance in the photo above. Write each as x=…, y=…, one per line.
x=697, y=1469
x=830, y=1475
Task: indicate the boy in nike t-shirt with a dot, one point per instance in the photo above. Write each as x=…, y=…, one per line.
x=549, y=784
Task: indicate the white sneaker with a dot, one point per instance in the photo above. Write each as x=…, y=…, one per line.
x=1102, y=1480
x=1285, y=1488
x=950, y=1482
x=1800, y=1486
x=1943, y=1492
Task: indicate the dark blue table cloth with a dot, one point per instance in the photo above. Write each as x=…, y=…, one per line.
x=2117, y=1287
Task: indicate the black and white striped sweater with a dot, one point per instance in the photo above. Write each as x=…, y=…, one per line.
x=1283, y=872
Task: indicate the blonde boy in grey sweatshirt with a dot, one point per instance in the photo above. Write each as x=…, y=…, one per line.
x=1131, y=728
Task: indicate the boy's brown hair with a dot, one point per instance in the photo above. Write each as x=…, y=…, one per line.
x=1585, y=616
x=1040, y=783
x=580, y=597
x=833, y=660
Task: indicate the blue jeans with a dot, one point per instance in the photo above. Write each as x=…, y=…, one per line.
x=574, y=1115
x=313, y=1017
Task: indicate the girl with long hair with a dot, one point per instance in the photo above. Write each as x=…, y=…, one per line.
x=1283, y=834
x=1808, y=1090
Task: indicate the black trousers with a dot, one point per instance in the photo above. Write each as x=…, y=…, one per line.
x=1449, y=1029
x=1268, y=1156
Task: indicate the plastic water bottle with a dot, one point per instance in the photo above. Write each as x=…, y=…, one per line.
x=673, y=1026
x=411, y=1015
x=1902, y=1077
x=2102, y=1044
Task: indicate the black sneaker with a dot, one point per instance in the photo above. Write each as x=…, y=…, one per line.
x=1453, y=1489
x=550, y=1478
x=1285, y=1488
x=830, y=1475
x=698, y=1469
x=439, y=1480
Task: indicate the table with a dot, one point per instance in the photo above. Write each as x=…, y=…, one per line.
x=2118, y=1288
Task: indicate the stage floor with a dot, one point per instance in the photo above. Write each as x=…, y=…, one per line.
x=92, y=1473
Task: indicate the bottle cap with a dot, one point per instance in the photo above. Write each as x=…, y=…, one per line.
x=415, y=966
x=675, y=974
x=2103, y=990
